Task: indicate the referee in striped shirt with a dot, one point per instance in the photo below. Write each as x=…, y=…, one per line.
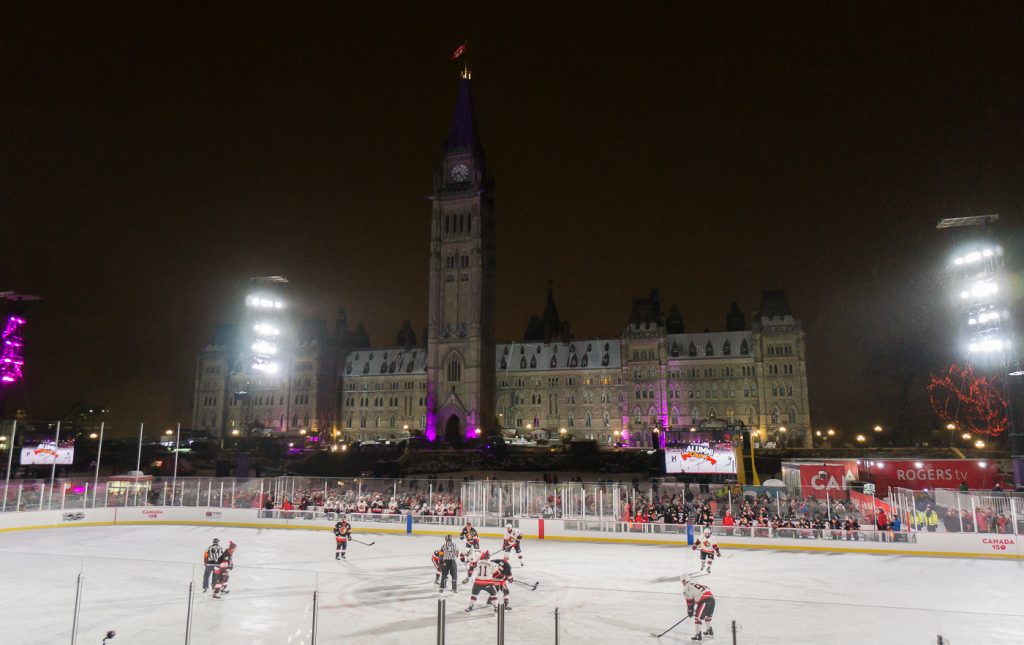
x=449, y=565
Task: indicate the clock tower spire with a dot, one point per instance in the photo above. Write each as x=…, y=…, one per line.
x=460, y=329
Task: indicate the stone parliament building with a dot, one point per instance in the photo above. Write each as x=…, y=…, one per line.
x=653, y=384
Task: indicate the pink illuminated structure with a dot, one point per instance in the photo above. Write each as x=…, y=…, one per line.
x=11, y=361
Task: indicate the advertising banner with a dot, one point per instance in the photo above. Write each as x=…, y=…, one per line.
x=868, y=506
x=929, y=474
x=43, y=453
x=701, y=459
x=822, y=480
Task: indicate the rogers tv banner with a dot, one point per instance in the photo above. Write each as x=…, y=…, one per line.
x=932, y=474
x=701, y=459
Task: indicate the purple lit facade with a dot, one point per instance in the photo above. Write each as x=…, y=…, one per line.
x=11, y=360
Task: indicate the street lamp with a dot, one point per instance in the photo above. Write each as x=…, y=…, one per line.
x=234, y=433
x=878, y=428
x=405, y=426
x=831, y=432
x=302, y=431
x=966, y=436
x=168, y=432
x=817, y=433
x=782, y=429
x=861, y=438
x=92, y=435
x=979, y=444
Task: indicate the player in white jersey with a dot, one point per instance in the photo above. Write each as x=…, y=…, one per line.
x=471, y=556
x=700, y=605
x=513, y=540
x=486, y=574
x=708, y=549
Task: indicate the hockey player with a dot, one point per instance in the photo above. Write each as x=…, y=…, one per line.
x=210, y=557
x=472, y=558
x=513, y=540
x=446, y=565
x=708, y=550
x=470, y=535
x=225, y=564
x=700, y=605
x=486, y=574
x=502, y=582
x=342, y=534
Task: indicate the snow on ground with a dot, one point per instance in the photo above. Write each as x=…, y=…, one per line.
x=135, y=580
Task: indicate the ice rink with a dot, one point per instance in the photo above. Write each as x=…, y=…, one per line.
x=135, y=580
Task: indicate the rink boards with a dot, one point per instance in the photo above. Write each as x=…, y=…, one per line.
x=969, y=545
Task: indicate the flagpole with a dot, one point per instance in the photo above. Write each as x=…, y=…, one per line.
x=174, y=479
x=53, y=468
x=10, y=455
x=138, y=458
x=99, y=454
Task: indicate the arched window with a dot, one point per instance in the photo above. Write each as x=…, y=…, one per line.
x=729, y=414
x=775, y=416
x=792, y=415
x=376, y=421
x=348, y=421
x=391, y=421
x=726, y=349
x=650, y=391
x=362, y=421
x=744, y=348
x=709, y=349
x=465, y=261
x=675, y=416
x=637, y=392
x=590, y=420
x=572, y=420
x=695, y=414
x=295, y=420
x=692, y=350
x=607, y=419
x=454, y=370
x=711, y=413
x=675, y=349
x=789, y=390
x=750, y=417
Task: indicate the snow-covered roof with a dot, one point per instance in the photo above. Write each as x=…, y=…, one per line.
x=595, y=353
x=678, y=345
x=386, y=360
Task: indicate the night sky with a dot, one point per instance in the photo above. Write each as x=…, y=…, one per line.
x=155, y=157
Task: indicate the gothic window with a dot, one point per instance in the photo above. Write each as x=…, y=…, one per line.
x=391, y=421
x=695, y=414
x=522, y=363
x=750, y=416
x=533, y=361
x=590, y=420
x=675, y=416
x=572, y=420
x=605, y=360
x=637, y=393
x=362, y=421
x=711, y=413
x=454, y=370
x=792, y=415
x=650, y=391
x=775, y=415
x=376, y=421
x=651, y=411
x=675, y=348
x=692, y=350
x=775, y=389
x=789, y=390
x=465, y=261
x=744, y=348
x=554, y=362
x=584, y=361
x=607, y=419
x=636, y=411
x=726, y=349
x=504, y=363
x=574, y=361
x=709, y=349
x=348, y=421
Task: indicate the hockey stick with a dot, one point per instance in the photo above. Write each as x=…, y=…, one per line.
x=670, y=628
x=532, y=587
x=361, y=542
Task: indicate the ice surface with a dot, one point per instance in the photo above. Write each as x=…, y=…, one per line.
x=136, y=578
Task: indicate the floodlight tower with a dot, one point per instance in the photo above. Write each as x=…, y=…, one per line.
x=984, y=324
x=265, y=331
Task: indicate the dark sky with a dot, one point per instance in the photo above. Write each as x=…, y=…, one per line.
x=155, y=157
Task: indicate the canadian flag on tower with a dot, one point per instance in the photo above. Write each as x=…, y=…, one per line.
x=460, y=50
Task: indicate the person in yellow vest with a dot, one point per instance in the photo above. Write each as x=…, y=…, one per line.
x=917, y=520
x=931, y=519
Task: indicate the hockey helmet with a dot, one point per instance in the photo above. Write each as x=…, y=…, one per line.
x=486, y=554
x=505, y=556
x=232, y=545
x=685, y=579
x=468, y=523
x=707, y=532
x=508, y=527
x=448, y=538
x=216, y=540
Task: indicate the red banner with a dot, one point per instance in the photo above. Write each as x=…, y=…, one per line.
x=929, y=474
x=868, y=506
x=822, y=479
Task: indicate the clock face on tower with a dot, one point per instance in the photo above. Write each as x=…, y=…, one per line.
x=459, y=172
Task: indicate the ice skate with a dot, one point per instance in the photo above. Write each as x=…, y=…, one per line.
x=469, y=609
x=709, y=634
x=697, y=638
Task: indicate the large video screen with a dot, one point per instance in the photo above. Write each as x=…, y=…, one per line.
x=44, y=453
x=701, y=459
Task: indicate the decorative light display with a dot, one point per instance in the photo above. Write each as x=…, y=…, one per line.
x=974, y=402
x=11, y=361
